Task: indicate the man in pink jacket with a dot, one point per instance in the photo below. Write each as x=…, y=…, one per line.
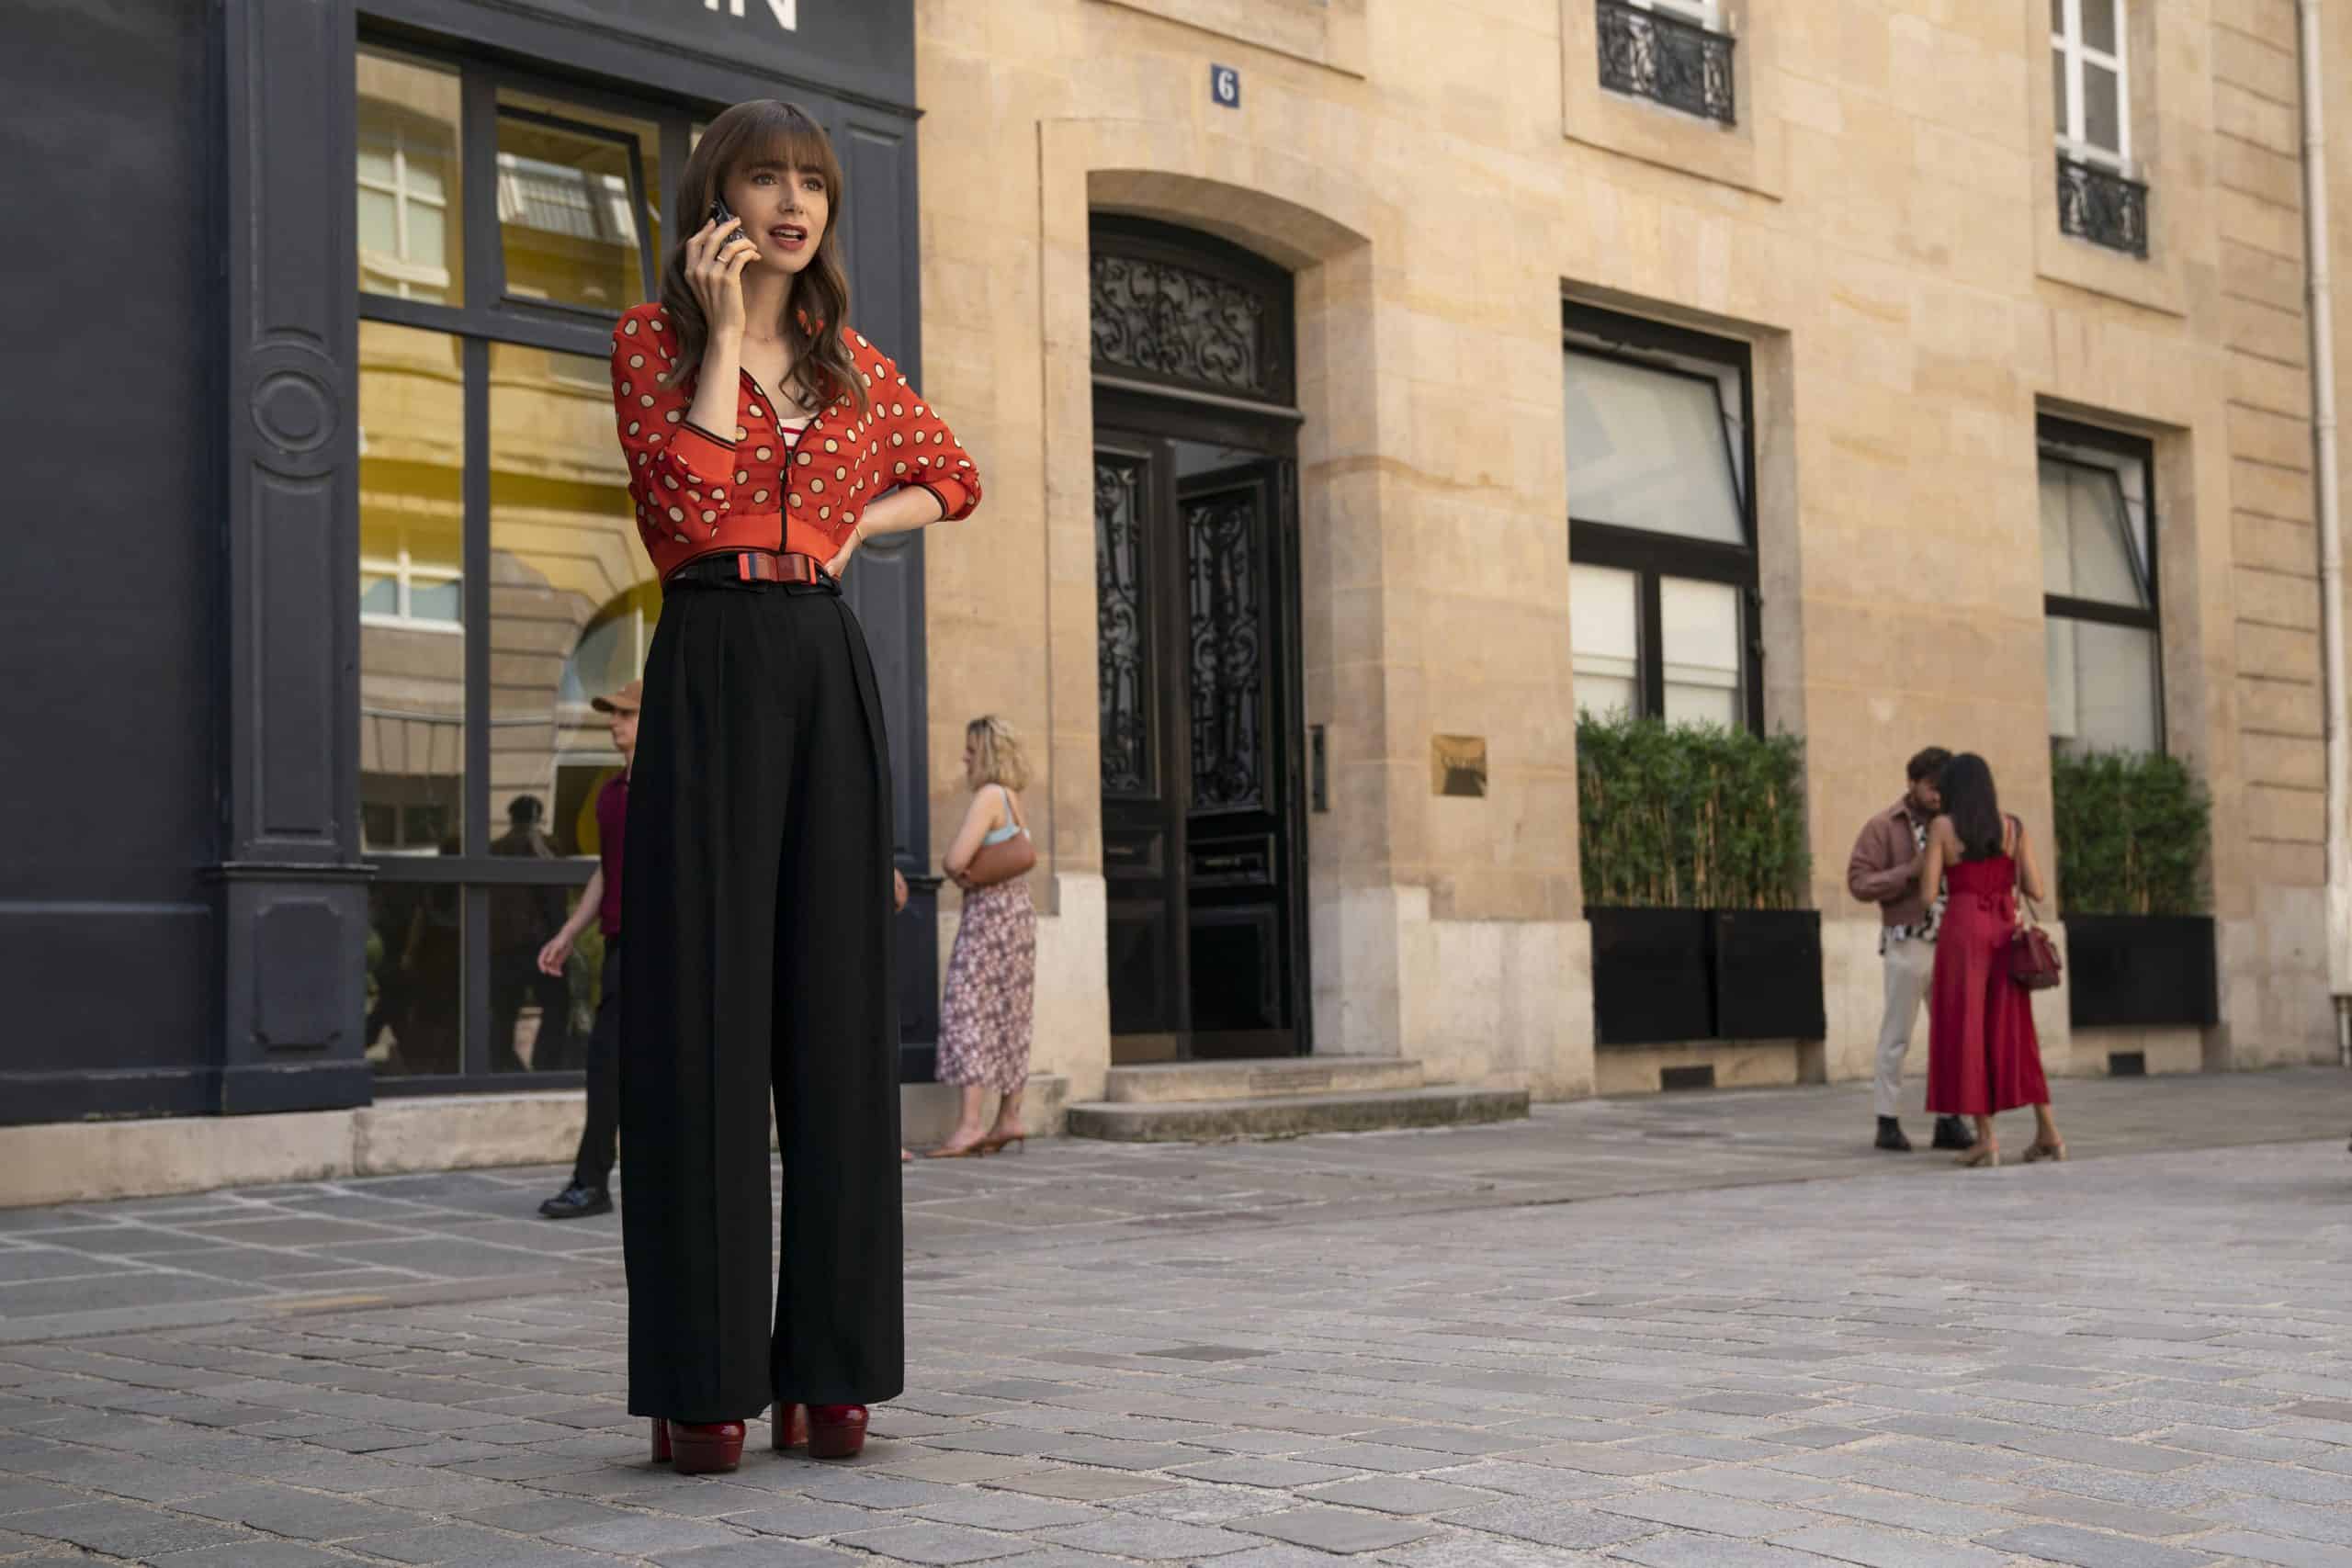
x=1884, y=870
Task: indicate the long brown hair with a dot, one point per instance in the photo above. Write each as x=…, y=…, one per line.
x=765, y=131
x=1974, y=806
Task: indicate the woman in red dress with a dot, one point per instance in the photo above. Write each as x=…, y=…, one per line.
x=1983, y=1055
x=766, y=442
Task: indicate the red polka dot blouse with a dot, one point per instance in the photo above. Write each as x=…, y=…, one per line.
x=766, y=485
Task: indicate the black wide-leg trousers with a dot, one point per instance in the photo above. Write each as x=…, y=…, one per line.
x=756, y=899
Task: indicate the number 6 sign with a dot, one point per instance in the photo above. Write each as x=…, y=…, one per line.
x=1225, y=86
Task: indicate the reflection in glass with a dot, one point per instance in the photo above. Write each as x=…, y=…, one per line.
x=573, y=599
x=643, y=133
x=2098, y=25
x=2102, y=108
x=530, y=1014
x=2093, y=533
x=1604, y=638
x=412, y=644
x=570, y=206
x=1651, y=448
x=415, y=973
x=1700, y=636
x=409, y=213
x=2104, y=691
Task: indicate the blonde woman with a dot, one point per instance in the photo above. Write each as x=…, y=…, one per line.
x=984, y=1023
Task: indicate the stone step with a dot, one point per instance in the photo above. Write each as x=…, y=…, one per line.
x=1288, y=1115
x=1162, y=1083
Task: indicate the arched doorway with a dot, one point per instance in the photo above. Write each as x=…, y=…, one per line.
x=1196, y=577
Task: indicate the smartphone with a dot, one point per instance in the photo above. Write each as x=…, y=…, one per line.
x=720, y=216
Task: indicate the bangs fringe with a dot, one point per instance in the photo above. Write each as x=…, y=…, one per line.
x=781, y=137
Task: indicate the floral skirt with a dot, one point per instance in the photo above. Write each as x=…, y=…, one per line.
x=984, y=1024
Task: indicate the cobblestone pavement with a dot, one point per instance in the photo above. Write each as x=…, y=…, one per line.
x=221, y=1257
x=1401, y=1351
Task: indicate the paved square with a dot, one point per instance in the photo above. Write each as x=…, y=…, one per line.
x=1702, y=1330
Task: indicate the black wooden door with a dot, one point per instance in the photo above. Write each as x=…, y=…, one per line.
x=1143, y=751
x=1239, y=661
x=1194, y=567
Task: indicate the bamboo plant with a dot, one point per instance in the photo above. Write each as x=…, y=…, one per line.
x=1688, y=816
x=2132, y=831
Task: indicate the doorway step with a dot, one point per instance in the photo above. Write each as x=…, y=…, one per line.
x=1204, y=1101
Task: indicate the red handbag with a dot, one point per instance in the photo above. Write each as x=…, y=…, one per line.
x=2033, y=957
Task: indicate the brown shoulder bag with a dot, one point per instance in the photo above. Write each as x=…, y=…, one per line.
x=1007, y=858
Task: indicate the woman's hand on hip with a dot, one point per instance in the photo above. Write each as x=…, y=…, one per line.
x=715, y=263
x=840, y=563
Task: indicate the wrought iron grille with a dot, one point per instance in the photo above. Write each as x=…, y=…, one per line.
x=1666, y=59
x=2103, y=207
x=1226, y=636
x=1122, y=638
x=1180, y=324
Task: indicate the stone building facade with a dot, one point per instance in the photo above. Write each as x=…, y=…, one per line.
x=1363, y=387
x=1858, y=203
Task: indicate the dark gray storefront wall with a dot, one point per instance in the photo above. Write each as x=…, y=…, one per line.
x=184, y=910
x=841, y=52
x=108, y=609
x=292, y=894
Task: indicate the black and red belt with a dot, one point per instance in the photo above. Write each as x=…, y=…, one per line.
x=751, y=566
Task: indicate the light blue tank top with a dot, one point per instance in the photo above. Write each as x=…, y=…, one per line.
x=1012, y=829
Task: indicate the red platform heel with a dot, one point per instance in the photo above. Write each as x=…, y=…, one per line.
x=836, y=1431
x=789, y=1428
x=708, y=1448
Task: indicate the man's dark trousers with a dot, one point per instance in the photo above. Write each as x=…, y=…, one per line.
x=593, y=1167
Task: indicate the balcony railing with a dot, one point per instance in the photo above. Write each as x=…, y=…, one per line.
x=2098, y=203
x=1666, y=59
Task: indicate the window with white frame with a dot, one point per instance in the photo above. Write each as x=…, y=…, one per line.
x=404, y=581
x=404, y=176
x=2090, y=76
x=2099, y=590
x=1661, y=531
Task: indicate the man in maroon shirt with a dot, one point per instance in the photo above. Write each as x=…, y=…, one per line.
x=592, y=1169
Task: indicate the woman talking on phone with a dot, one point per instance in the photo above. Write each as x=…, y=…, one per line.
x=766, y=441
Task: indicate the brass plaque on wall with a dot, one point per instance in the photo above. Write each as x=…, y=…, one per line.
x=1458, y=765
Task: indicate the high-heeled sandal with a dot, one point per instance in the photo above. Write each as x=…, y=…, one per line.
x=836, y=1431
x=789, y=1428
x=996, y=1144
x=1984, y=1153
x=968, y=1151
x=699, y=1449
x=2038, y=1150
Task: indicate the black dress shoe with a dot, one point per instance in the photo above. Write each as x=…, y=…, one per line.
x=1951, y=1132
x=1890, y=1136
x=577, y=1202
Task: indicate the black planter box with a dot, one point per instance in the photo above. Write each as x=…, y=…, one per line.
x=2141, y=970
x=1768, y=975
x=1665, y=976
x=1653, y=980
